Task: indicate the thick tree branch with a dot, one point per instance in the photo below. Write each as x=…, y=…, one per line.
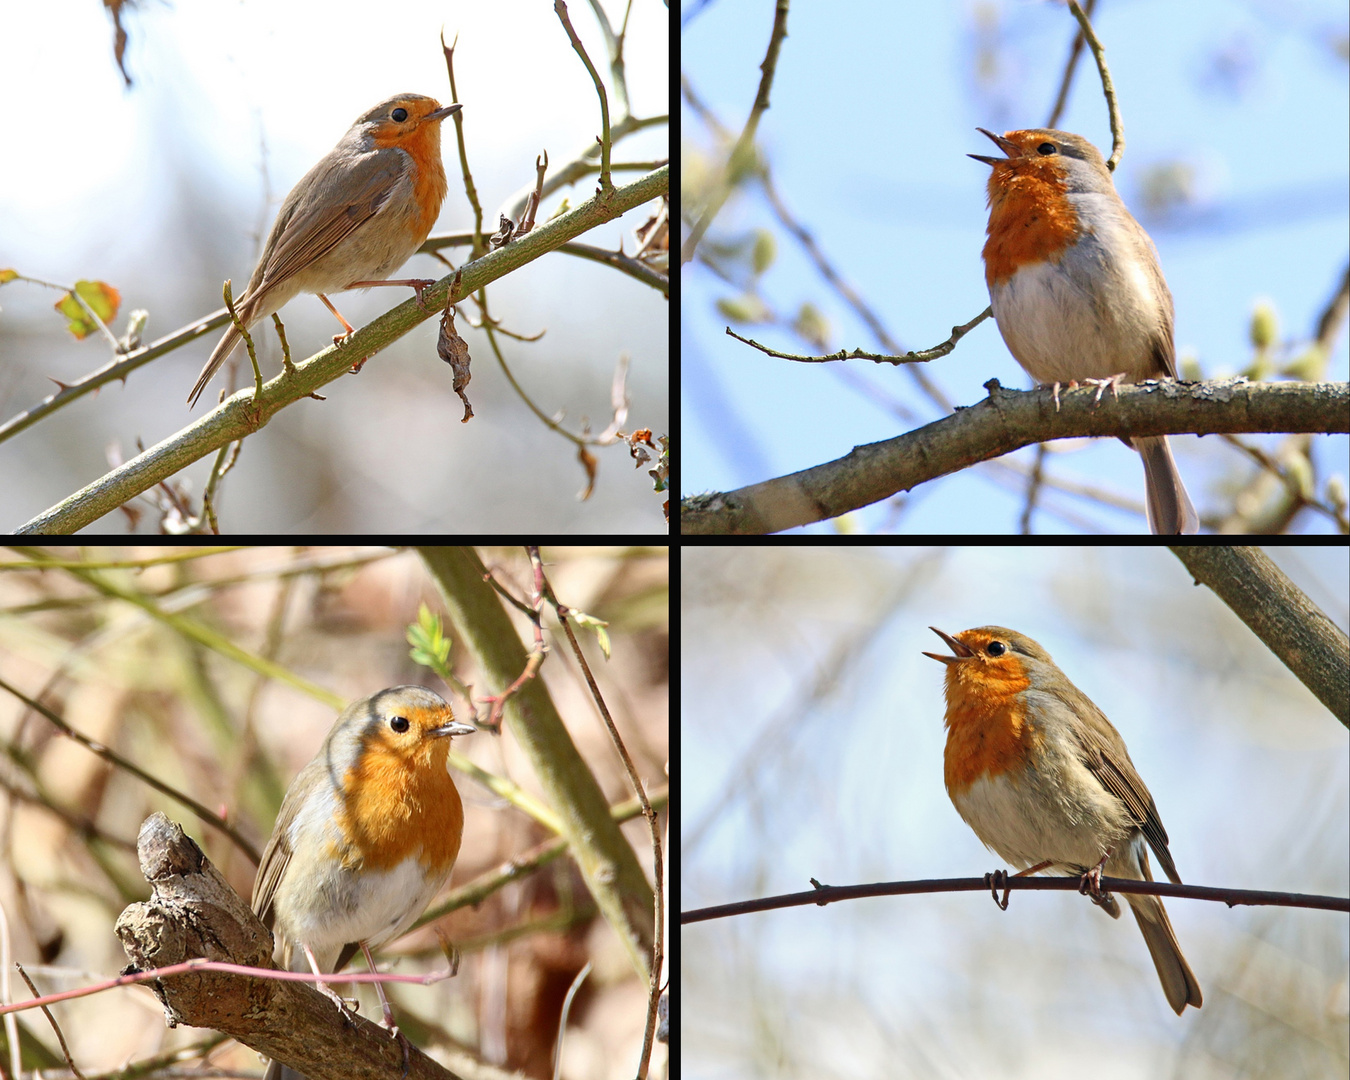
x=1008, y=420
x=194, y=912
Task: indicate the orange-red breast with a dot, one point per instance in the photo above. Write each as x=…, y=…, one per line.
x=1076, y=288
x=353, y=219
x=1040, y=774
x=366, y=835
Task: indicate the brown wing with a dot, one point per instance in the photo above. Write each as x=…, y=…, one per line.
x=275, y=858
x=1103, y=752
x=327, y=206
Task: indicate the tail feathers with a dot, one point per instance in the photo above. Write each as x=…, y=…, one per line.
x=1178, y=980
x=219, y=355
x=1169, y=507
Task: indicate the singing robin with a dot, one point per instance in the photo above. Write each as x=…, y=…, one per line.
x=1076, y=288
x=1037, y=770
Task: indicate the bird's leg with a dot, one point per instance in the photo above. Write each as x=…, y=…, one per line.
x=416, y=284
x=344, y=1006
x=1101, y=384
x=1091, y=885
x=341, y=339
x=338, y=339
x=388, y=1011
x=1000, y=877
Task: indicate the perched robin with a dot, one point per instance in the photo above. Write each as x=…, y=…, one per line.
x=1045, y=781
x=353, y=219
x=1076, y=288
x=366, y=836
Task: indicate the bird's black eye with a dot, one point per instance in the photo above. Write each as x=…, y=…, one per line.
x=1046, y=149
x=996, y=648
x=399, y=723
x=400, y=115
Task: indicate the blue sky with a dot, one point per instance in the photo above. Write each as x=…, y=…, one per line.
x=1243, y=107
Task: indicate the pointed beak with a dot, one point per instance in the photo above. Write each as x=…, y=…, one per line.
x=962, y=651
x=1009, y=148
x=441, y=114
x=456, y=728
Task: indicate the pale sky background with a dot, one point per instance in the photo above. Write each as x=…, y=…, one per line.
x=874, y=110
x=812, y=740
x=164, y=188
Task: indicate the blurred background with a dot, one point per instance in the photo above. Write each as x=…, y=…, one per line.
x=812, y=730
x=168, y=186
x=136, y=655
x=1237, y=132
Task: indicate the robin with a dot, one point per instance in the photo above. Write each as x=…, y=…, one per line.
x=1076, y=288
x=353, y=219
x=1045, y=781
x=365, y=838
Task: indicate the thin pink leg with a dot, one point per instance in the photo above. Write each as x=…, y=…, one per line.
x=416, y=284
x=1091, y=884
x=323, y=987
x=338, y=339
x=1000, y=877
x=388, y=1011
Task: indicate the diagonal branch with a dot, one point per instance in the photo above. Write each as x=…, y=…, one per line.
x=1006, y=421
x=239, y=415
x=194, y=912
